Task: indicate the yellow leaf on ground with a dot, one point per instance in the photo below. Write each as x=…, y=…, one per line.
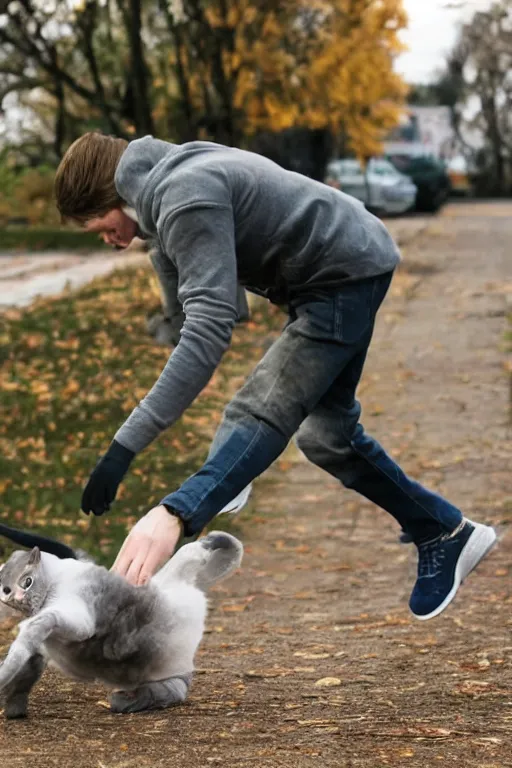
x=328, y=682
x=234, y=608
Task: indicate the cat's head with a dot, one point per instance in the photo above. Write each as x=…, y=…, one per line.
x=23, y=584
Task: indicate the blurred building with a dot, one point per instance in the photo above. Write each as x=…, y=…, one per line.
x=428, y=132
x=429, y=126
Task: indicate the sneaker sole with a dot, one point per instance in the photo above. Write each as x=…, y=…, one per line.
x=238, y=503
x=475, y=549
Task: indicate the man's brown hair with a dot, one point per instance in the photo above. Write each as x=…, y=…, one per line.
x=84, y=183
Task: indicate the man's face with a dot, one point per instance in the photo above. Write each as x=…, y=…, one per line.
x=116, y=228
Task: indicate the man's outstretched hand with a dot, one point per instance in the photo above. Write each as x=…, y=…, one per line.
x=149, y=544
x=100, y=491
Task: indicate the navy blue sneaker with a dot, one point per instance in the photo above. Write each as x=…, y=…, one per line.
x=443, y=565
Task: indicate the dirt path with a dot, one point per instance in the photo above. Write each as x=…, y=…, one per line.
x=311, y=656
x=26, y=276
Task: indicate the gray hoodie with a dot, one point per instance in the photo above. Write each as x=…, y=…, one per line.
x=219, y=216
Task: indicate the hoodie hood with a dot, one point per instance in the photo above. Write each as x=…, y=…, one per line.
x=135, y=171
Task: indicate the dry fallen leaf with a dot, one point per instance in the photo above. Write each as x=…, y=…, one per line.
x=265, y=673
x=328, y=682
x=234, y=608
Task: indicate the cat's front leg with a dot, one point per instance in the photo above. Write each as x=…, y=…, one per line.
x=18, y=656
x=156, y=695
x=70, y=620
x=17, y=692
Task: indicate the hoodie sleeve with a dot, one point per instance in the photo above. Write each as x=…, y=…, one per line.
x=168, y=279
x=200, y=239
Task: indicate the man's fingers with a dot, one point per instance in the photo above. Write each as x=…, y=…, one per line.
x=125, y=557
x=134, y=570
x=134, y=558
x=154, y=559
x=151, y=542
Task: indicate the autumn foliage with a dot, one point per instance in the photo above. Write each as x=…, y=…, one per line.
x=71, y=370
x=215, y=69
x=265, y=65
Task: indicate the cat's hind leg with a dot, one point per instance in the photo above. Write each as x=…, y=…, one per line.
x=17, y=691
x=203, y=562
x=156, y=695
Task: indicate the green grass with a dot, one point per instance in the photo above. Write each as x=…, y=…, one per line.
x=71, y=370
x=41, y=239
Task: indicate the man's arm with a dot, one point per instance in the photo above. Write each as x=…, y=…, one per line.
x=168, y=279
x=201, y=240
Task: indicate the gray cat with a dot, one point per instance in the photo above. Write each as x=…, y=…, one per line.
x=94, y=626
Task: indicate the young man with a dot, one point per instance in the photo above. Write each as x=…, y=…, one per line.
x=221, y=216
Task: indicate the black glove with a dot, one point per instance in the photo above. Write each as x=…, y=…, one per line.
x=104, y=481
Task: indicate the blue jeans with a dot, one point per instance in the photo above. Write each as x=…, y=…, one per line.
x=306, y=384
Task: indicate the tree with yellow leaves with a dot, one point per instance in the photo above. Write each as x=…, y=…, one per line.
x=216, y=69
x=255, y=64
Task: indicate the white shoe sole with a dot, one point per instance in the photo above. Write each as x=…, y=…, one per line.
x=475, y=549
x=238, y=503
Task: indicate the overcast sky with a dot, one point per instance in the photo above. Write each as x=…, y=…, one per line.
x=431, y=33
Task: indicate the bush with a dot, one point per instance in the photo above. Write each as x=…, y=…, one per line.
x=33, y=196
x=39, y=239
x=26, y=193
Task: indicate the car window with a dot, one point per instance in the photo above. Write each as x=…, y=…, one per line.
x=334, y=166
x=382, y=168
x=402, y=162
x=350, y=168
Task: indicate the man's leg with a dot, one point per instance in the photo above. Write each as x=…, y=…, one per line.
x=238, y=502
x=333, y=438
x=448, y=546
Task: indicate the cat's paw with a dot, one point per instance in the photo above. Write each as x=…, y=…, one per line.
x=16, y=707
x=219, y=540
x=157, y=695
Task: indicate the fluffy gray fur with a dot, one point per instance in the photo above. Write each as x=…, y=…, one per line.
x=94, y=626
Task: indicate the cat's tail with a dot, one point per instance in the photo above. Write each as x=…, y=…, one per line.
x=31, y=540
x=203, y=562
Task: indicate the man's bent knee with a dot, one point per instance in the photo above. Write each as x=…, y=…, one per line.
x=336, y=456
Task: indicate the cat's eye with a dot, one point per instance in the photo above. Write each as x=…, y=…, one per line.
x=26, y=583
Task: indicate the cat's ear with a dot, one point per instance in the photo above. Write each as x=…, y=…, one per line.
x=35, y=557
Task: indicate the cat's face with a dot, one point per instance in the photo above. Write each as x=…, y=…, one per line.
x=22, y=582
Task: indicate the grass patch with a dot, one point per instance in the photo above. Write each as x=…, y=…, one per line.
x=41, y=239
x=71, y=370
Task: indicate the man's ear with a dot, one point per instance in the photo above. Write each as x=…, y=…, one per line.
x=35, y=557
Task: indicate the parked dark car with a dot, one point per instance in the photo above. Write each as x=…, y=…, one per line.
x=428, y=174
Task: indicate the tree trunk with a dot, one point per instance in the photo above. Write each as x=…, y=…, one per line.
x=187, y=131
x=139, y=73
x=490, y=112
x=60, y=122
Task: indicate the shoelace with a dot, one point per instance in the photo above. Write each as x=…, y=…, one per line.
x=406, y=538
x=431, y=556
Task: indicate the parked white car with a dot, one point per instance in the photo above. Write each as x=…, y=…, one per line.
x=382, y=188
